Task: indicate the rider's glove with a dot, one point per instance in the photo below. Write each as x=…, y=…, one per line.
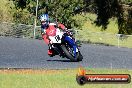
x=43, y=31
x=69, y=33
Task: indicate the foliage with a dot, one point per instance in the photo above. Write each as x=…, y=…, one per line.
x=60, y=9
x=64, y=10
x=114, y=8
x=6, y=13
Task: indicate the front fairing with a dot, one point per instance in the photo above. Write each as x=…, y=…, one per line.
x=72, y=43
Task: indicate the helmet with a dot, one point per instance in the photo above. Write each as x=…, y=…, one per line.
x=44, y=17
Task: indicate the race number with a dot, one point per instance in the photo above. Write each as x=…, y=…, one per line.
x=57, y=38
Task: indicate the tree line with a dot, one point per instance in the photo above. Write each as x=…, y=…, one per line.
x=64, y=10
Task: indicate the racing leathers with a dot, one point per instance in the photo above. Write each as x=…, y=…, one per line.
x=53, y=26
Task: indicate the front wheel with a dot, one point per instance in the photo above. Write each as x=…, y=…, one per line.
x=80, y=57
x=70, y=56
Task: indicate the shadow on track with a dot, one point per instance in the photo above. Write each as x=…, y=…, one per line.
x=60, y=61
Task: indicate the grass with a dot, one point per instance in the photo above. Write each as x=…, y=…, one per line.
x=54, y=78
x=90, y=32
x=109, y=39
x=87, y=23
x=5, y=14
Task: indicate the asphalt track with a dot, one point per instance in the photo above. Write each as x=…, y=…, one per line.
x=30, y=53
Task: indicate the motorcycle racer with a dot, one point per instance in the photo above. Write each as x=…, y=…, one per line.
x=46, y=23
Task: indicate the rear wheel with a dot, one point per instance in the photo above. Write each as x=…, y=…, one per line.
x=70, y=55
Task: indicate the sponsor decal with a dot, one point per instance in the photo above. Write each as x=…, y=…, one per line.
x=83, y=78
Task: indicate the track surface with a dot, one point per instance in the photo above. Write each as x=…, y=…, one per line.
x=25, y=53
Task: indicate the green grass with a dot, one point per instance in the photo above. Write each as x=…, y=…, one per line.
x=6, y=13
x=110, y=39
x=54, y=79
x=87, y=23
x=90, y=32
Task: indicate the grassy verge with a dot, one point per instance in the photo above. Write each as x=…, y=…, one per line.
x=54, y=78
x=90, y=32
x=86, y=23
x=103, y=38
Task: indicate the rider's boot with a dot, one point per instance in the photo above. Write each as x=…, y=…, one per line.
x=50, y=50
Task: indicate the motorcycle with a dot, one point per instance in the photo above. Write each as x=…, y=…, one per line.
x=63, y=44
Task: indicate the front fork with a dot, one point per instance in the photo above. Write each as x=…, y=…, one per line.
x=72, y=43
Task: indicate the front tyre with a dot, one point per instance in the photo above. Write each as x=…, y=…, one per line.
x=80, y=57
x=70, y=56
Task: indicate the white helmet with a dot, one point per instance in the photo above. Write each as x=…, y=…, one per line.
x=44, y=17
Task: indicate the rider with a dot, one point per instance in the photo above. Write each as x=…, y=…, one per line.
x=45, y=21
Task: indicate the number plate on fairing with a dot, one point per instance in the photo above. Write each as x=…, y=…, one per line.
x=57, y=37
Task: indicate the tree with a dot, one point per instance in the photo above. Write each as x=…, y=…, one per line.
x=107, y=9
x=64, y=10
x=61, y=9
